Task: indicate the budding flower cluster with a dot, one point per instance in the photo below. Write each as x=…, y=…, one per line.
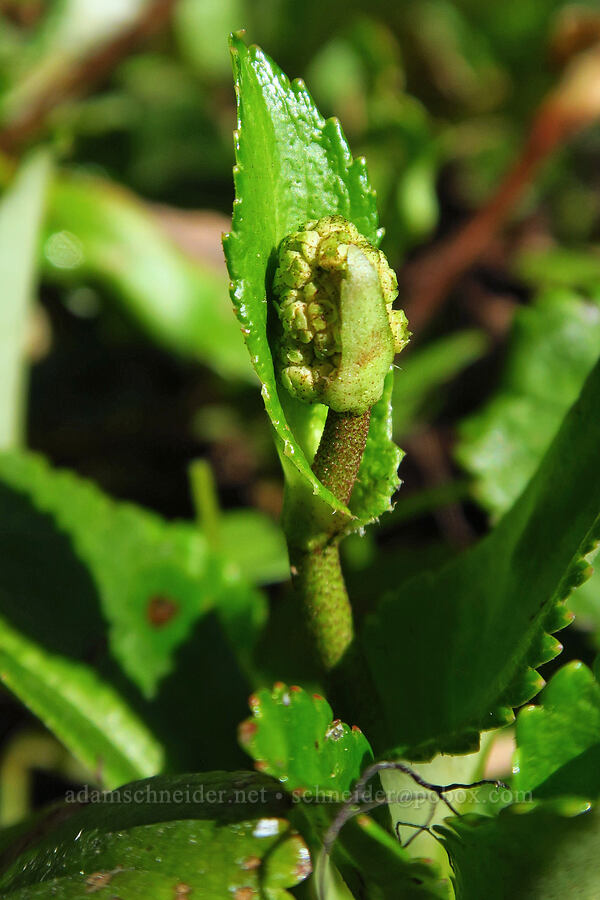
x=313, y=263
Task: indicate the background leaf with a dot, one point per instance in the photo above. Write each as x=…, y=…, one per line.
x=553, y=347
x=80, y=570
x=254, y=543
x=72, y=29
x=423, y=371
x=100, y=233
x=80, y=708
x=154, y=579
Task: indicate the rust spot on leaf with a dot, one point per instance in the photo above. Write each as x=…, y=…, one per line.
x=161, y=610
x=253, y=862
x=247, y=730
x=97, y=881
x=244, y=893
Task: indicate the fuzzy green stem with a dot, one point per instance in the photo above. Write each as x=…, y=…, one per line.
x=340, y=452
x=319, y=583
x=317, y=572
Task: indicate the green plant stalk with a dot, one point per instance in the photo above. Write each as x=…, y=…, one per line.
x=337, y=338
x=316, y=570
x=206, y=501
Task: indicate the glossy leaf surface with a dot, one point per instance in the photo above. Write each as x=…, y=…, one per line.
x=558, y=741
x=215, y=835
x=538, y=853
x=293, y=736
x=485, y=619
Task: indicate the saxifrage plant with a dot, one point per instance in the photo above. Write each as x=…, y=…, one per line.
x=440, y=659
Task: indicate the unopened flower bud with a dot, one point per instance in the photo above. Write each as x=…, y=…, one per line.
x=338, y=332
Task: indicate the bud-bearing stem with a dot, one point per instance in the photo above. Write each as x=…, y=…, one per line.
x=317, y=573
x=335, y=342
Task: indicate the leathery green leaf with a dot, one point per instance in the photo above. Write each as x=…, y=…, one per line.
x=211, y=835
x=528, y=851
x=558, y=741
x=485, y=619
x=293, y=736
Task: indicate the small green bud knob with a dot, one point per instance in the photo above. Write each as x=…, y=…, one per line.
x=338, y=332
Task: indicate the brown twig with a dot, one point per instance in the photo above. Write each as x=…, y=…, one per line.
x=84, y=74
x=565, y=111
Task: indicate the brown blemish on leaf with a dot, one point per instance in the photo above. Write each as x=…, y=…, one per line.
x=252, y=862
x=182, y=890
x=247, y=730
x=161, y=610
x=98, y=880
x=244, y=893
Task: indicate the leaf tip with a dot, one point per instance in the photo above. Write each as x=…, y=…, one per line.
x=235, y=39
